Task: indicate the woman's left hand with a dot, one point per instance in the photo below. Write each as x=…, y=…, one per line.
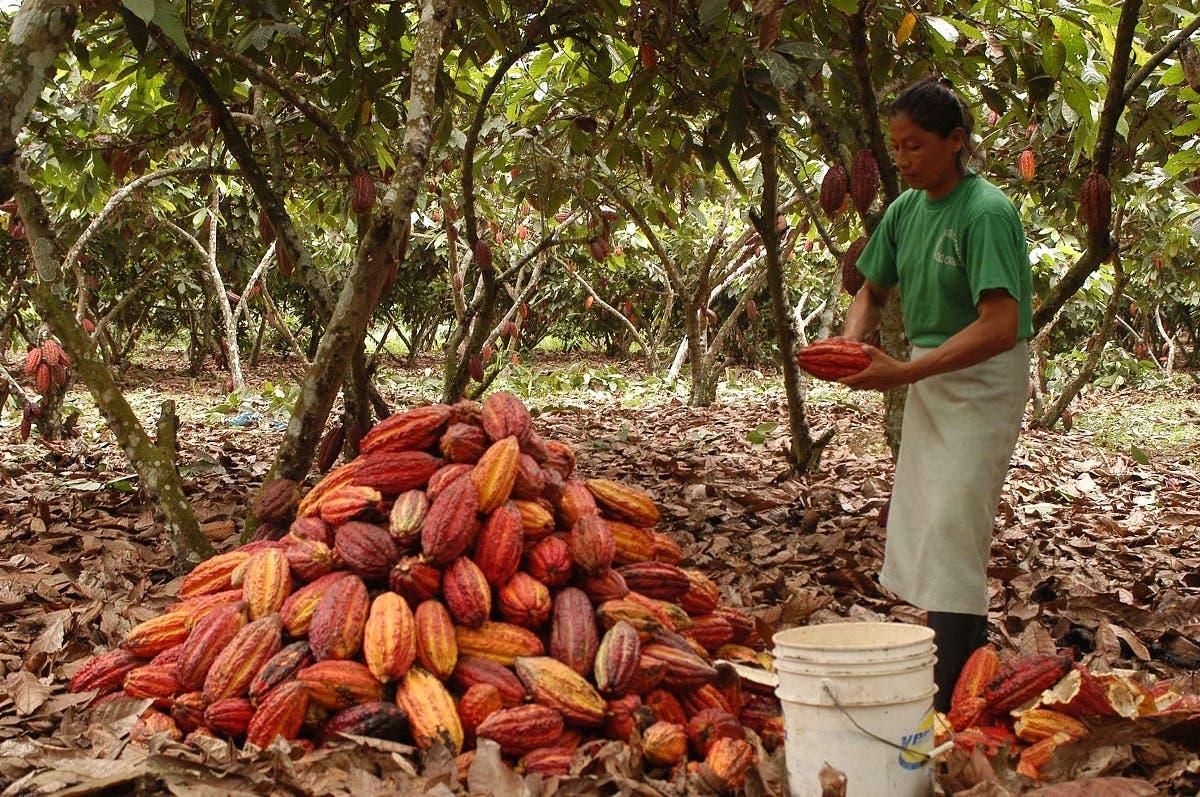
x=884, y=372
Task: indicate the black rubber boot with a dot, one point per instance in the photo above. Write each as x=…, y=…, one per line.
x=956, y=637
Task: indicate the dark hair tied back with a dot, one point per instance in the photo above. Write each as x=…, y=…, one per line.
x=933, y=105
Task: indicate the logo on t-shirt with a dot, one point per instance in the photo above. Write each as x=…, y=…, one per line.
x=946, y=251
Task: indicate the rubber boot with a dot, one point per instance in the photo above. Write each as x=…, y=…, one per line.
x=956, y=637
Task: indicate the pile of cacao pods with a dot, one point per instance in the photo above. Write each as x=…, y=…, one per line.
x=1034, y=704
x=455, y=581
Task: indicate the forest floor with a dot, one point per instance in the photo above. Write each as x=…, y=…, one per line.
x=1097, y=547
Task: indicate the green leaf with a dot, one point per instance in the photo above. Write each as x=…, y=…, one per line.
x=144, y=9
x=1054, y=55
x=1138, y=455
x=846, y=6
x=710, y=10
x=758, y=435
x=798, y=49
x=166, y=16
x=944, y=29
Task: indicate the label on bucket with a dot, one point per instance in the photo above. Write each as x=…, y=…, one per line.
x=917, y=744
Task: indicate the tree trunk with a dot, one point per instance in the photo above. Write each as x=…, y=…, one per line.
x=895, y=343
x=362, y=287
x=804, y=452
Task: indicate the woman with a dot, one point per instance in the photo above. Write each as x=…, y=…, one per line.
x=954, y=245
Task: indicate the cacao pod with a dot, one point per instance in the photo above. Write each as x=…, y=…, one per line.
x=445, y=477
x=498, y=546
x=501, y=642
x=104, y=672
x=366, y=550
x=276, y=501
x=656, y=580
x=363, y=198
x=331, y=447
x=467, y=593
x=574, y=638
x=537, y=523
x=157, y=634
x=346, y=502
x=834, y=186
x=832, y=359
x=212, y=575
x=463, y=442
x=415, y=580
x=338, y=684
x=504, y=415
x=378, y=719
x=267, y=582
x=709, y=725
x=338, y=619
x=1027, y=165
x=624, y=502
x=477, y=704
x=685, y=670
x=592, y=545
x=279, y=668
x=561, y=458
x=395, y=472
x=530, y=481
x=153, y=681
x=852, y=278
x=230, y=716
x=556, y=685
x=604, y=587
x=207, y=639
x=436, y=638
x=520, y=729
x=632, y=543
x=525, y=601
x=574, y=502
x=550, y=562
x=470, y=671
x=665, y=707
x=432, y=715
x=389, y=642
x=1095, y=200
x=297, y=610
x=308, y=559
x=495, y=473
x=281, y=713
x=664, y=744
x=727, y=762
x=617, y=659
x=450, y=527
x=406, y=518
x=548, y=762
x=237, y=664
x=416, y=429
x=864, y=180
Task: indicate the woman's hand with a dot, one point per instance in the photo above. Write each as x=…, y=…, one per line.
x=884, y=372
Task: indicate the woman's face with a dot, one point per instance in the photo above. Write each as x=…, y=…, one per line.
x=924, y=159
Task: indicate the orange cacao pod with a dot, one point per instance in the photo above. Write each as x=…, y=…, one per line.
x=852, y=278
x=366, y=550
x=153, y=681
x=378, y=719
x=617, y=659
x=702, y=595
x=338, y=620
x=208, y=638
x=560, y=457
x=437, y=643
x=229, y=716
x=495, y=473
x=657, y=580
x=575, y=502
x=574, y=639
x=276, y=501
x=432, y=715
x=451, y=525
x=395, y=472
x=467, y=593
x=188, y=711
x=592, y=545
x=641, y=617
x=470, y=671
x=706, y=698
x=525, y=601
x=501, y=642
x=1080, y=694
x=1036, y=724
x=406, y=517
x=1023, y=679
x=199, y=606
x=711, y=724
x=445, y=477
x=537, y=523
x=267, y=582
x=158, y=634
x=547, y=761
x=338, y=684
x=521, y=729
x=308, y=559
x=463, y=442
x=416, y=429
x=279, y=668
x=33, y=358
x=212, y=575
x=1034, y=757
x=666, y=549
x=1095, y=200
x=152, y=723
x=104, y=672
x=606, y=586
x=1027, y=165
x=624, y=502
x=504, y=415
x=624, y=715
x=281, y=713
x=727, y=762
x=389, y=640
x=236, y=665
x=685, y=670
x=864, y=180
x=415, y=580
x=664, y=744
x=834, y=186
x=346, y=502
x=477, y=704
x=633, y=544
x=665, y=707
x=966, y=703
x=711, y=631
x=498, y=546
x=556, y=685
x=832, y=359
x=297, y=610
x=341, y=476
x=550, y=562
x=363, y=189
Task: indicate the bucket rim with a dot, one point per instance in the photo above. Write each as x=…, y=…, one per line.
x=824, y=636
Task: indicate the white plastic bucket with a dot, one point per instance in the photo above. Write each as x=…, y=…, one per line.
x=859, y=697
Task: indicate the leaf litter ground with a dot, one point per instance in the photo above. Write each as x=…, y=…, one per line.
x=1094, y=549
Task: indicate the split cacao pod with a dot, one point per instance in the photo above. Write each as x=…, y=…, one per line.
x=1034, y=757
x=727, y=762
x=338, y=684
x=832, y=359
x=281, y=713
x=436, y=638
x=338, y=620
x=520, y=729
x=1023, y=679
x=432, y=715
x=467, y=593
x=495, y=473
x=525, y=601
x=450, y=527
x=389, y=641
x=501, y=642
x=1039, y=723
x=574, y=639
x=966, y=702
x=499, y=544
x=235, y=666
x=711, y=724
x=366, y=550
x=414, y=430
x=556, y=685
x=1079, y=694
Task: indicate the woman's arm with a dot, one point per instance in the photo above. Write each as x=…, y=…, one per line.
x=995, y=331
x=866, y=311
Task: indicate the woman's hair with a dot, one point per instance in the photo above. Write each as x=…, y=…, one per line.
x=933, y=105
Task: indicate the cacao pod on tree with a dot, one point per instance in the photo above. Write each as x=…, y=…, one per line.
x=834, y=186
x=864, y=180
x=852, y=278
x=1095, y=200
x=1027, y=164
x=364, y=193
x=1189, y=60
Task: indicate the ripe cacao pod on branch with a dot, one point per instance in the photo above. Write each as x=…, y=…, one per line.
x=834, y=186
x=1095, y=200
x=864, y=180
x=852, y=278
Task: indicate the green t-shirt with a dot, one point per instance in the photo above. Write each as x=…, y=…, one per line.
x=945, y=252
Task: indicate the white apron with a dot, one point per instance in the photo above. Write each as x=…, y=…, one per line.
x=959, y=432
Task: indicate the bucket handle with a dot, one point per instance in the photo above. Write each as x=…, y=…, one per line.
x=926, y=757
